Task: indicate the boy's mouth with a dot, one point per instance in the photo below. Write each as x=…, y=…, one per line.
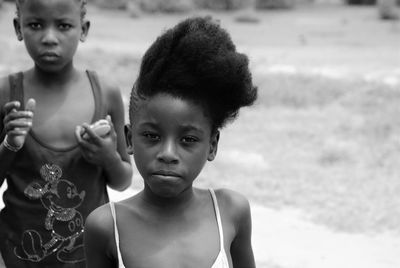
x=49, y=56
x=166, y=173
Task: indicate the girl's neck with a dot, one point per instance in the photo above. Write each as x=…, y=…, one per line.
x=163, y=204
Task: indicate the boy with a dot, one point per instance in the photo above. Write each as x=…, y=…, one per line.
x=56, y=166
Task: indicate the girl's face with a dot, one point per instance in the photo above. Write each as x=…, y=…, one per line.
x=51, y=30
x=171, y=141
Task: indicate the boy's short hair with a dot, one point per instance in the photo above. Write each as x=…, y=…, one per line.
x=18, y=4
x=197, y=60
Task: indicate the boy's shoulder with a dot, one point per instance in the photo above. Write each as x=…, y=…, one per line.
x=4, y=82
x=107, y=84
x=110, y=90
x=4, y=90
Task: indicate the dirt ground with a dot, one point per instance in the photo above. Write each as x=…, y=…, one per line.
x=320, y=40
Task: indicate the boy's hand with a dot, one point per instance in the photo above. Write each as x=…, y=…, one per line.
x=97, y=149
x=18, y=123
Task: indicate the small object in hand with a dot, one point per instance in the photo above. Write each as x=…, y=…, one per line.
x=101, y=128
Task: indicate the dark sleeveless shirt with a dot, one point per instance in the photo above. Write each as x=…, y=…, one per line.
x=50, y=193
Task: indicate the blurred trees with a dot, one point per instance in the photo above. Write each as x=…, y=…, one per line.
x=222, y=4
x=150, y=6
x=388, y=10
x=360, y=2
x=185, y=5
x=274, y=4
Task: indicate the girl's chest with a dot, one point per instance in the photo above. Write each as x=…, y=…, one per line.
x=177, y=247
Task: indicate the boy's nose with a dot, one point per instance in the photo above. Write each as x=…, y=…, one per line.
x=168, y=153
x=50, y=37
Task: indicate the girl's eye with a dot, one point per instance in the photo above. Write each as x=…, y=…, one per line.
x=189, y=139
x=64, y=26
x=151, y=136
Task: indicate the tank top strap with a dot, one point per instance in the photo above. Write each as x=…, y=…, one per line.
x=218, y=216
x=16, y=88
x=100, y=108
x=116, y=234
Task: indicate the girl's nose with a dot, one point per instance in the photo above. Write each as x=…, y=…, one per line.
x=168, y=153
x=50, y=37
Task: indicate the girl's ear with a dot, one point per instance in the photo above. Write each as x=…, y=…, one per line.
x=128, y=138
x=85, y=30
x=213, y=146
x=17, y=28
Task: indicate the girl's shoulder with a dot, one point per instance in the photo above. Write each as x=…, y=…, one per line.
x=232, y=204
x=99, y=232
x=100, y=221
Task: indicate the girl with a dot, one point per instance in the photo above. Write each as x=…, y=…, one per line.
x=56, y=166
x=191, y=82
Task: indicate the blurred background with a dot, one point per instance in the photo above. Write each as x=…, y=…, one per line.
x=318, y=155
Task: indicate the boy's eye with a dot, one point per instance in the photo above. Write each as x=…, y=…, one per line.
x=35, y=25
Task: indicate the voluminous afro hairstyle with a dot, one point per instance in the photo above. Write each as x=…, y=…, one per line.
x=196, y=60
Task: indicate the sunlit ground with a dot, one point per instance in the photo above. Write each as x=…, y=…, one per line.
x=318, y=156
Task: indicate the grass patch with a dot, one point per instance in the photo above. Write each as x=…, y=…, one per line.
x=326, y=146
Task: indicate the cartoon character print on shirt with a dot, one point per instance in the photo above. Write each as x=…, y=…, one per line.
x=61, y=198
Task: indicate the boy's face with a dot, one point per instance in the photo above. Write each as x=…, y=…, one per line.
x=51, y=30
x=170, y=140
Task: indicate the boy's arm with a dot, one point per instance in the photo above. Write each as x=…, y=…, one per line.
x=241, y=249
x=99, y=239
x=6, y=156
x=119, y=170
x=109, y=151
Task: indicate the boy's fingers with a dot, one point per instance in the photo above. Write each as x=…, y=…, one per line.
x=9, y=106
x=18, y=124
x=108, y=118
x=17, y=132
x=18, y=117
x=86, y=146
x=89, y=134
x=30, y=105
x=82, y=142
x=14, y=115
x=78, y=133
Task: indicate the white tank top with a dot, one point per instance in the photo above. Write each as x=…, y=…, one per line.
x=220, y=262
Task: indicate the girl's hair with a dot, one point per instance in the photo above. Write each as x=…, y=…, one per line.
x=19, y=3
x=197, y=61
